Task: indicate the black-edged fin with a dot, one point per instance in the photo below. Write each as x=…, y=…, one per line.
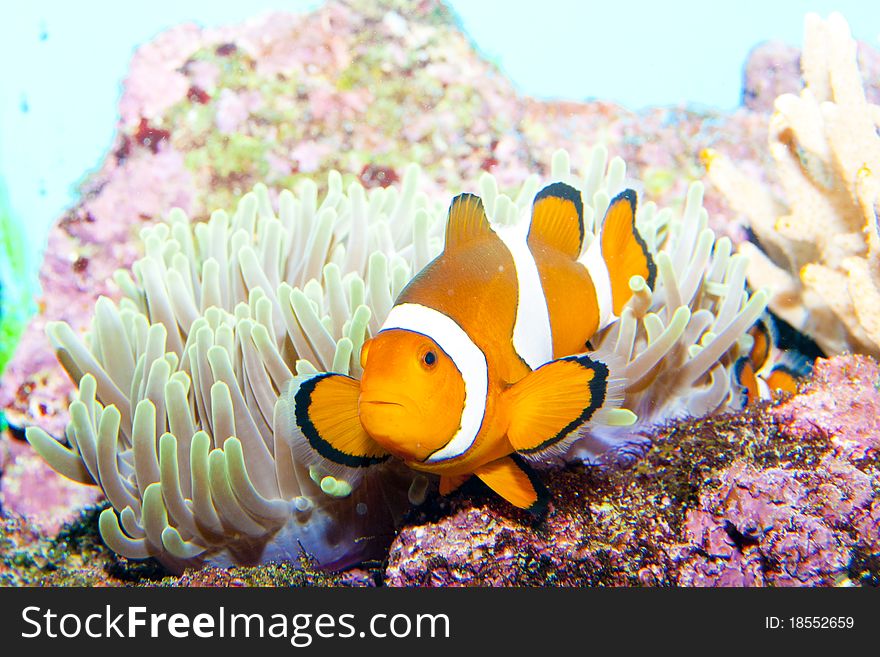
x=789, y=339
x=551, y=403
x=326, y=412
x=800, y=365
x=788, y=370
x=558, y=219
x=744, y=387
x=467, y=221
x=781, y=378
x=513, y=480
x=623, y=249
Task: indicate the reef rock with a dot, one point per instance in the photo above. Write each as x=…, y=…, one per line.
x=29, y=488
x=773, y=68
x=785, y=498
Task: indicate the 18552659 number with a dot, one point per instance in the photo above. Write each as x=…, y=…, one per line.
x=821, y=622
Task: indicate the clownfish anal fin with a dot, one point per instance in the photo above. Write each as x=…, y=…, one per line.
x=515, y=482
x=449, y=483
x=551, y=403
x=326, y=412
x=623, y=249
x=558, y=219
x=467, y=221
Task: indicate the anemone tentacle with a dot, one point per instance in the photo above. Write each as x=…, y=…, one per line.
x=179, y=415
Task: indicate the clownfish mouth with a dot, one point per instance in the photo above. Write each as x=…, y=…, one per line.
x=378, y=398
x=380, y=402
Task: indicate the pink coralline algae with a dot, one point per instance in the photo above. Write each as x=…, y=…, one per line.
x=30, y=488
x=843, y=401
x=773, y=68
x=233, y=110
x=155, y=80
x=85, y=248
x=750, y=499
x=778, y=527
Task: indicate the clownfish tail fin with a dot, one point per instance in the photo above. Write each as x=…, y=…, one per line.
x=788, y=370
x=624, y=251
x=797, y=363
x=324, y=430
x=516, y=482
x=558, y=219
x=467, y=221
x=552, y=406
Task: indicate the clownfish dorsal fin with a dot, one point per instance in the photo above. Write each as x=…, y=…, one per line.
x=623, y=249
x=549, y=405
x=467, y=222
x=558, y=219
x=326, y=413
x=515, y=482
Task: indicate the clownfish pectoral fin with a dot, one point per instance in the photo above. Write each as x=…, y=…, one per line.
x=515, y=482
x=558, y=219
x=325, y=409
x=449, y=483
x=551, y=403
x=467, y=221
x=623, y=249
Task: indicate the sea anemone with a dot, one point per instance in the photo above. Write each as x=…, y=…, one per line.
x=679, y=341
x=178, y=415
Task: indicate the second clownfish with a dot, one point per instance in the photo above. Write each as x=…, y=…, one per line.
x=481, y=362
x=768, y=368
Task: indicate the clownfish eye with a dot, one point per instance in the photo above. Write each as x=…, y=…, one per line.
x=429, y=358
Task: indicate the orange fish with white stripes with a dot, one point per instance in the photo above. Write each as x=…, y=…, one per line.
x=482, y=360
x=768, y=367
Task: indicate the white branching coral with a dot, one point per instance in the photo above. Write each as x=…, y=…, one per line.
x=821, y=247
x=179, y=417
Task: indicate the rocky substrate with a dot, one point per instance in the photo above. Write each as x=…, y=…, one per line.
x=784, y=494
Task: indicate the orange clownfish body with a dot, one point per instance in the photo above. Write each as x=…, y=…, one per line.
x=481, y=359
x=767, y=368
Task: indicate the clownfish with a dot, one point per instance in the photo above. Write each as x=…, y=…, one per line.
x=481, y=362
x=768, y=367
